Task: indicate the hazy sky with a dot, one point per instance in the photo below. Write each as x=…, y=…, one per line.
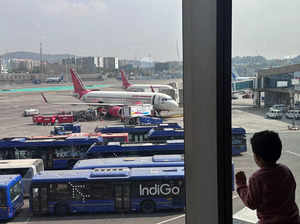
x=123, y=28
x=138, y=28
x=268, y=28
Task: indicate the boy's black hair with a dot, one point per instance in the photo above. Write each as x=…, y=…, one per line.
x=267, y=145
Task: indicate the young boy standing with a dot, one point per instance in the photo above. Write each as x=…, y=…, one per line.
x=271, y=189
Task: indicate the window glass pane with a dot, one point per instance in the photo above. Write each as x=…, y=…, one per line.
x=2, y=197
x=265, y=95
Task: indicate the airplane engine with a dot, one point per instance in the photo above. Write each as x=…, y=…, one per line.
x=114, y=111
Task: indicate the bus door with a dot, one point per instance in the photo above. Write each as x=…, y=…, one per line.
x=122, y=197
x=39, y=199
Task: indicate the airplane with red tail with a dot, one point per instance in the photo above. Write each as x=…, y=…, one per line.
x=138, y=87
x=117, y=99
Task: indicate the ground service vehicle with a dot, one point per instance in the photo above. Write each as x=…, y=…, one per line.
x=108, y=190
x=129, y=114
x=65, y=129
x=135, y=133
x=239, y=141
x=116, y=149
x=132, y=162
x=30, y=112
x=274, y=114
x=293, y=114
x=55, y=153
x=11, y=196
x=27, y=168
x=52, y=119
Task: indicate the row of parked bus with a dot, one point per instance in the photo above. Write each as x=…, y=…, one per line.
x=122, y=176
x=145, y=184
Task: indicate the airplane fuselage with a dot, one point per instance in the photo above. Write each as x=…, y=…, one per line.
x=159, y=101
x=135, y=87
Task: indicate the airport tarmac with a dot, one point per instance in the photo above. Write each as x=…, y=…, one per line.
x=243, y=115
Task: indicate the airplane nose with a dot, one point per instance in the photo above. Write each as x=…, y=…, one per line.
x=174, y=105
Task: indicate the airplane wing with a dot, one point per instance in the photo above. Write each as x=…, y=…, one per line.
x=79, y=103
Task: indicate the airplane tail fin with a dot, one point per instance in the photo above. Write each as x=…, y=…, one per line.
x=125, y=82
x=79, y=88
x=152, y=89
x=234, y=76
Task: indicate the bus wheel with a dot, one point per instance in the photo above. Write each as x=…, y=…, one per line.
x=148, y=207
x=61, y=210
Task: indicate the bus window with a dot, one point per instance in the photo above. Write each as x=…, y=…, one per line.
x=62, y=191
x=101, y=191
x=2, y=197
x=15, y=191
x=21, y=171
x=39, y=167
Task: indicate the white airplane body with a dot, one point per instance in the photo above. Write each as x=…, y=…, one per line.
x=160, y=101
x=55, y=79
x=236, y=77
x=138, y=87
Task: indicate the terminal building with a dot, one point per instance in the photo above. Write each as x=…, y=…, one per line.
x=280, y=85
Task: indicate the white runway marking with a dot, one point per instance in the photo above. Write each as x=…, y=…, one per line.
x=172, y=219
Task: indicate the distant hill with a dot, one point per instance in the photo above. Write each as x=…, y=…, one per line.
x=51, y=58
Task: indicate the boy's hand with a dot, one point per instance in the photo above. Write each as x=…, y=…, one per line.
x=240, y=178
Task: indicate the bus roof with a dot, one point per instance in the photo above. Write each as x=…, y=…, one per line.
x=23, y=142
x=238, y=131
x=19, y=163
x=168, y=146
x=135, y=129
x=64, y=176
x=6, y=180
x=131, y=162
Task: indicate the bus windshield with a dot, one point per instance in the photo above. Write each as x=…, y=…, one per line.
x=15, y=191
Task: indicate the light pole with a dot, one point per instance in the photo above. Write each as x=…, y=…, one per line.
x=292, y=105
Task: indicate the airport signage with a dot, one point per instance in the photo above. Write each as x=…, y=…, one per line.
x=282, y=83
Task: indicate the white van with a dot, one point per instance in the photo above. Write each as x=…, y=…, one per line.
x=291, y=114
x=274, y=114
x=27, y=168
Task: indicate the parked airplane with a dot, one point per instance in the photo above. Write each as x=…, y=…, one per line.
x=116, y=99
x=138, y=87
x=57, y=79
x=236, y=77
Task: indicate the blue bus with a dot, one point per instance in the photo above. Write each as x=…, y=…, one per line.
x=135, y=133
x=147, y=190
x=132, y=162
x=11, y=195
x=165, y=133
x=55, y=153
x=239, y=141
x=116, y=149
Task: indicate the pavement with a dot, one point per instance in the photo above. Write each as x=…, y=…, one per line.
x=243, y=115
